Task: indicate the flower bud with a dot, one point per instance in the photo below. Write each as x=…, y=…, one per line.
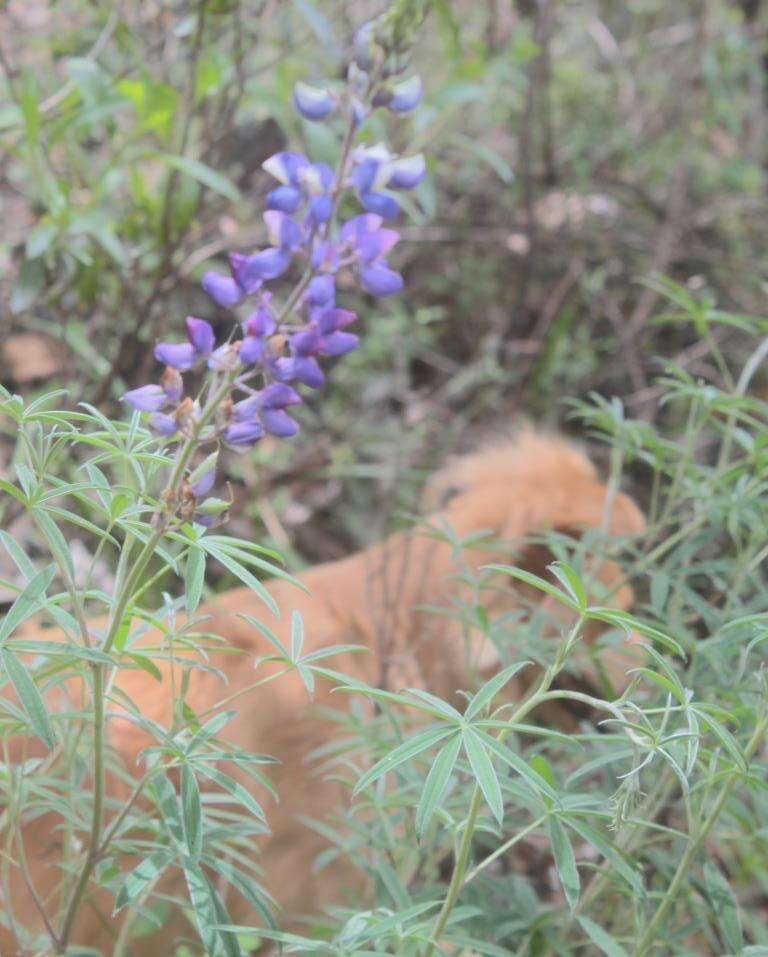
x=312, y=102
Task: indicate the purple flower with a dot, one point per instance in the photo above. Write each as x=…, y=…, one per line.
x=379, y=280
x=251, y=271
x=312, y=102
x=147, y=398
x=272, y=402
x=201, y=335
x=407, y=172
x=204, y=484
x=302, y=364
x=406, y=95
x=321, y=291
x=287, y=199
x=222, y=289
x=179, y=356
x=256, y=328
x=369, y=244
x=282, y=231
x=285, y=167
x=365, y=238
x=243, y=434
x=382, y=204
x=183, y=356
x=164, y=424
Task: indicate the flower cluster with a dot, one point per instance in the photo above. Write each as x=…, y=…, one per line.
x=254, y=376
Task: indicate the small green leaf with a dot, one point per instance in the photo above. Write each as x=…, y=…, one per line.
x=565, y=862
x=571, y=583
x=435, y=784
x=191, y=813
x=29, y=697
x=535, y=581
x=228, y=784
x=28, y=602
x=297, y=635
x=137, y=880
x=194, y=577
x=402, y=753
x=602, y=939
x=203, y=174
x=490, y=689
x=484, y=772
x=724, y=907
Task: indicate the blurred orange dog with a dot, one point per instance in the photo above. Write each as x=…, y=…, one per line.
x=514, y=489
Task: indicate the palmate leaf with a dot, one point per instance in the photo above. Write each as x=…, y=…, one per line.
x=436, y=782
x=29, y=697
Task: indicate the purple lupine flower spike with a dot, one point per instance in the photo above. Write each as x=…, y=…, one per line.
x=313, y=103
x=147, y=398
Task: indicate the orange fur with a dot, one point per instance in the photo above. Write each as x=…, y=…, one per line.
x=522, y=486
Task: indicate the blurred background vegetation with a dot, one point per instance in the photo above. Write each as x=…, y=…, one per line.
x=574, y=147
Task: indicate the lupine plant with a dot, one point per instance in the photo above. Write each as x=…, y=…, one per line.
x=487, y=830
x=146, y=494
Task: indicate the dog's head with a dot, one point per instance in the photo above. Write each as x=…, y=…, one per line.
x=527, y=486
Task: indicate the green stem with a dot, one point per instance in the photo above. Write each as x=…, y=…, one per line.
x=125, y=596
x=647, y=941
x=462, y=855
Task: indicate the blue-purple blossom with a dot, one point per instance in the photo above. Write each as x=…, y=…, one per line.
x=312, y=102
x=164, y=424
x=147, y=398
x=321, y=291
x=406, y=95
x=303, y=183
x=368, y=244
x=407, y=172
x=256, y=328
x=284, y=344
x=183, y=356
x=243, y=434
